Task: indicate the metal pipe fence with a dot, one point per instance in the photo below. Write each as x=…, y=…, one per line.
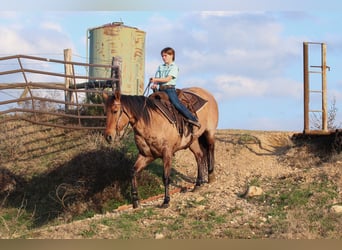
x=35, y=90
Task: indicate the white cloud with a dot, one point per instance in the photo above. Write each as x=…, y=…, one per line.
x=234, y=54
x=52, y=26
x=238, y=86
x=229, y=87
x=226, y=13
x=200, y=35
x=30, y=38
x=9, y=15
x=12, y=42
x=249, y=43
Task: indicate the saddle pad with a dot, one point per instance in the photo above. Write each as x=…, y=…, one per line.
x=191, y=100
x=167, y=109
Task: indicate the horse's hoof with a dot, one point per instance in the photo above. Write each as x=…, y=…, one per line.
x=211, y=178
x=135, y=204
x=184, y=190
x=165, y=205
x=196, y=188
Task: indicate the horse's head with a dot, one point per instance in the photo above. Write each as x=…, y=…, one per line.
x=117, y=118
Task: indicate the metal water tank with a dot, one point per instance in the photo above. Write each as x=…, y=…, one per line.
x=118, y=40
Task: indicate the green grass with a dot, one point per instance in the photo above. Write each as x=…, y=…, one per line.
x=247, y=139
x=290, y=203
x=91, y=232
x=128, y=226
x=63, y=175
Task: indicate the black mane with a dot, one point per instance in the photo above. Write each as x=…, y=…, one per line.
x=139, y=106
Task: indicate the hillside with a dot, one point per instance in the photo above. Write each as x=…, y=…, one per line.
x=299, y=187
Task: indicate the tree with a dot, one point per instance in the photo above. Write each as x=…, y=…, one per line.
x=316, y=119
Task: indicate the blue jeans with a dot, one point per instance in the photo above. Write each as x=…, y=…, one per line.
x=178, y=105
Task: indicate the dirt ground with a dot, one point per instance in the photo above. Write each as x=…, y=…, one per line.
x=241, y=157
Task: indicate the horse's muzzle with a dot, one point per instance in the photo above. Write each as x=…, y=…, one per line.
x=109, y=138
x=113, y=136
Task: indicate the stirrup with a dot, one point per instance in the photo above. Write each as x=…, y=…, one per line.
x=197, y=124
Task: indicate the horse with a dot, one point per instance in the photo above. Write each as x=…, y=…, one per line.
x=156, y=137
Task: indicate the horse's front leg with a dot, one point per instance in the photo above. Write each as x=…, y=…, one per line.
x=139, y=165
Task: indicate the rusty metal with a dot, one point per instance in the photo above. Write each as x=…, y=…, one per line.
x=49, y=124
x=119, y=41
x=20, y=56
x=34, y=113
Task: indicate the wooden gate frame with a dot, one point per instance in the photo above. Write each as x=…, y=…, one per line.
x=307, y=90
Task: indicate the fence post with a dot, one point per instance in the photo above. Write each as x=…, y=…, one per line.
x=306, y=86
x=116, y=62
x=68, y=80
x=324, y=88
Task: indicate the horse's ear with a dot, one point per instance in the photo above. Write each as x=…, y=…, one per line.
x=105, y=96
x=117, y=94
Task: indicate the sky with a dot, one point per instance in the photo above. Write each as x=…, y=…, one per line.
x=249, y=56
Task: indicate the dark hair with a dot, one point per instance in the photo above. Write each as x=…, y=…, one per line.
x=169, y=51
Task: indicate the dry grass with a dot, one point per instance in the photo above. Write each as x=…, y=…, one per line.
x=57, y=183
x=51, y=175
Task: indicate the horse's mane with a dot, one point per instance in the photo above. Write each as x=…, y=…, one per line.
x=139, y=106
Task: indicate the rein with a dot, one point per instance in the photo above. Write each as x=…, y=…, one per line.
x=147, y=92
x=122, y=111
x=147, y=89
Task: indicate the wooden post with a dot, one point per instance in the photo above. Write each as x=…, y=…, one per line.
x=324, y=88
x=306, y=86
x=323, y=72
x=117, y=62
x=68, y=80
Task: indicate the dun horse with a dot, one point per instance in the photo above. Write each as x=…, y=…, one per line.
x=156, y=137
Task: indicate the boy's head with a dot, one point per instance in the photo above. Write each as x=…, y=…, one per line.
x=170, y=51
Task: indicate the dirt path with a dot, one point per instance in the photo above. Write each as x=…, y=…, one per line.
x=241, y=158
x=267, y=159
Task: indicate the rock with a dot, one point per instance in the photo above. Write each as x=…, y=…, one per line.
x=253, y=191
x=159, y=236
x=200, y=208
x=199, y=199
x=336, y=209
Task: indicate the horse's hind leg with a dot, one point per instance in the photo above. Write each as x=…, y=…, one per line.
x=207, y=145
x=196, y=149
x=210, y=145
x=211, y=156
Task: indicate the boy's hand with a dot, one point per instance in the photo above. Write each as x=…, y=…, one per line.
x=154, y=85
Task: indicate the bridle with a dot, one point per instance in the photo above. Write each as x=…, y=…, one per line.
x=117, y=125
